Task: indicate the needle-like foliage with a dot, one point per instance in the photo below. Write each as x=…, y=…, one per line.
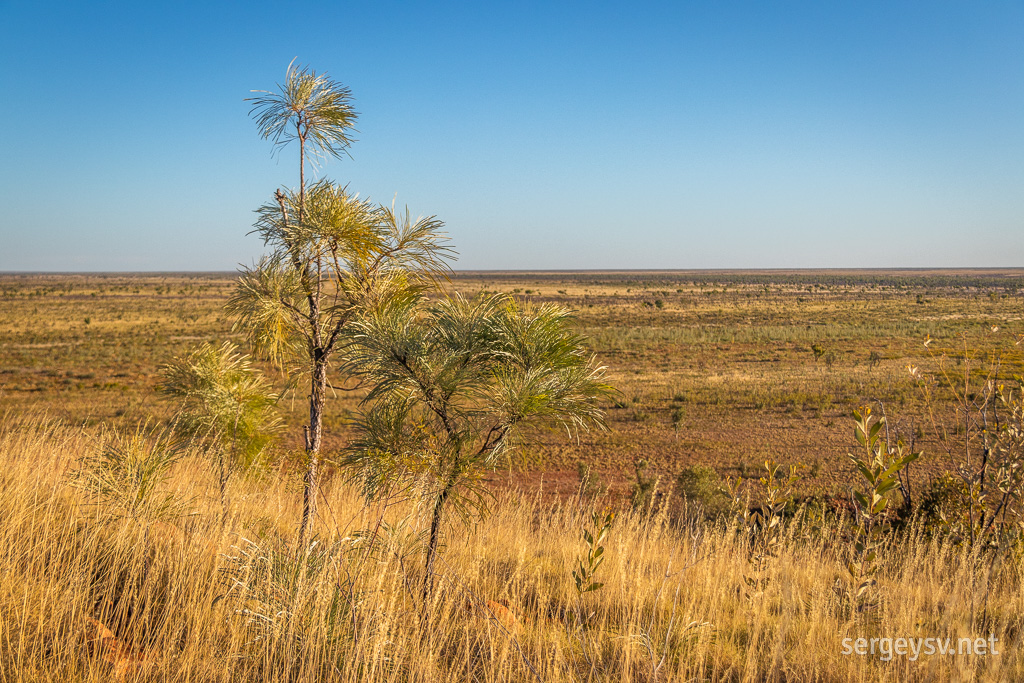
x=311, y=109
x=128, y=471
x=310, y=103
x=226, y=402
x=331, y=253
x=454, y=387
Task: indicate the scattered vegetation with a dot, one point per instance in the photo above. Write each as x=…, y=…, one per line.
x=124, y=554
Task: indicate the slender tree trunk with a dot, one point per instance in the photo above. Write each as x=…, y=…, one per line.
x=224, y=473
x=314, y=436
x=435, y=537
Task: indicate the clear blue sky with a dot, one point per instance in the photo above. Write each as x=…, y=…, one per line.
x=546, y=135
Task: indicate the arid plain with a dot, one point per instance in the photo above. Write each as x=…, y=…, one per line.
x=720, y=368
x=128, y=557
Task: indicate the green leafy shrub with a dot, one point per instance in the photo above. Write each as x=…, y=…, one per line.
x=585, y=572
x=880, y=465
x=701, y=485
x=642, y=492
x=765, y=524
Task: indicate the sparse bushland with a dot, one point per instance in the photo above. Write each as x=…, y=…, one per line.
x=88, y=592
x=737, y=361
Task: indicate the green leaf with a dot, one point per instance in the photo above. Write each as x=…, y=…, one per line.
x=864, y=470
x=875, y=428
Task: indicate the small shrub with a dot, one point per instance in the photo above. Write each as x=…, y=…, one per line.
x=677, y=419
x=943, y=502
x=765, y=525
x=128, y=472
x=225, y=404
x=880, y=466
x=591, y=484
x=643, y=486
x=583, y=575
x=701, y=485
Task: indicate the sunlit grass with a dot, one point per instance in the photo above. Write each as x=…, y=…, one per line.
x=218, y=595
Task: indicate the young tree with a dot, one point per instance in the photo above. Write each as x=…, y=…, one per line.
x=226, y=402
x=454, y=387
x=329, y=251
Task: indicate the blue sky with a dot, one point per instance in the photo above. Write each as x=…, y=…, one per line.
x=546, y=135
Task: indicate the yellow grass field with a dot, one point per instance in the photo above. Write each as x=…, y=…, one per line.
x=215, y=594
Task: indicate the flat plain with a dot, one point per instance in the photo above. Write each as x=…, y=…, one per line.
x=719, y=368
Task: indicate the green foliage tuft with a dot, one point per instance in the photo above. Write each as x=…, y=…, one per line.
x=701, y=485
x=585, y=572
x=224, y=401
x=128, y=470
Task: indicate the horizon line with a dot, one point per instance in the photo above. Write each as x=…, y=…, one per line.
x=548, y=271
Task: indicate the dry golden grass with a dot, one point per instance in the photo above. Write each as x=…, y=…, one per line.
x=218, y=594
